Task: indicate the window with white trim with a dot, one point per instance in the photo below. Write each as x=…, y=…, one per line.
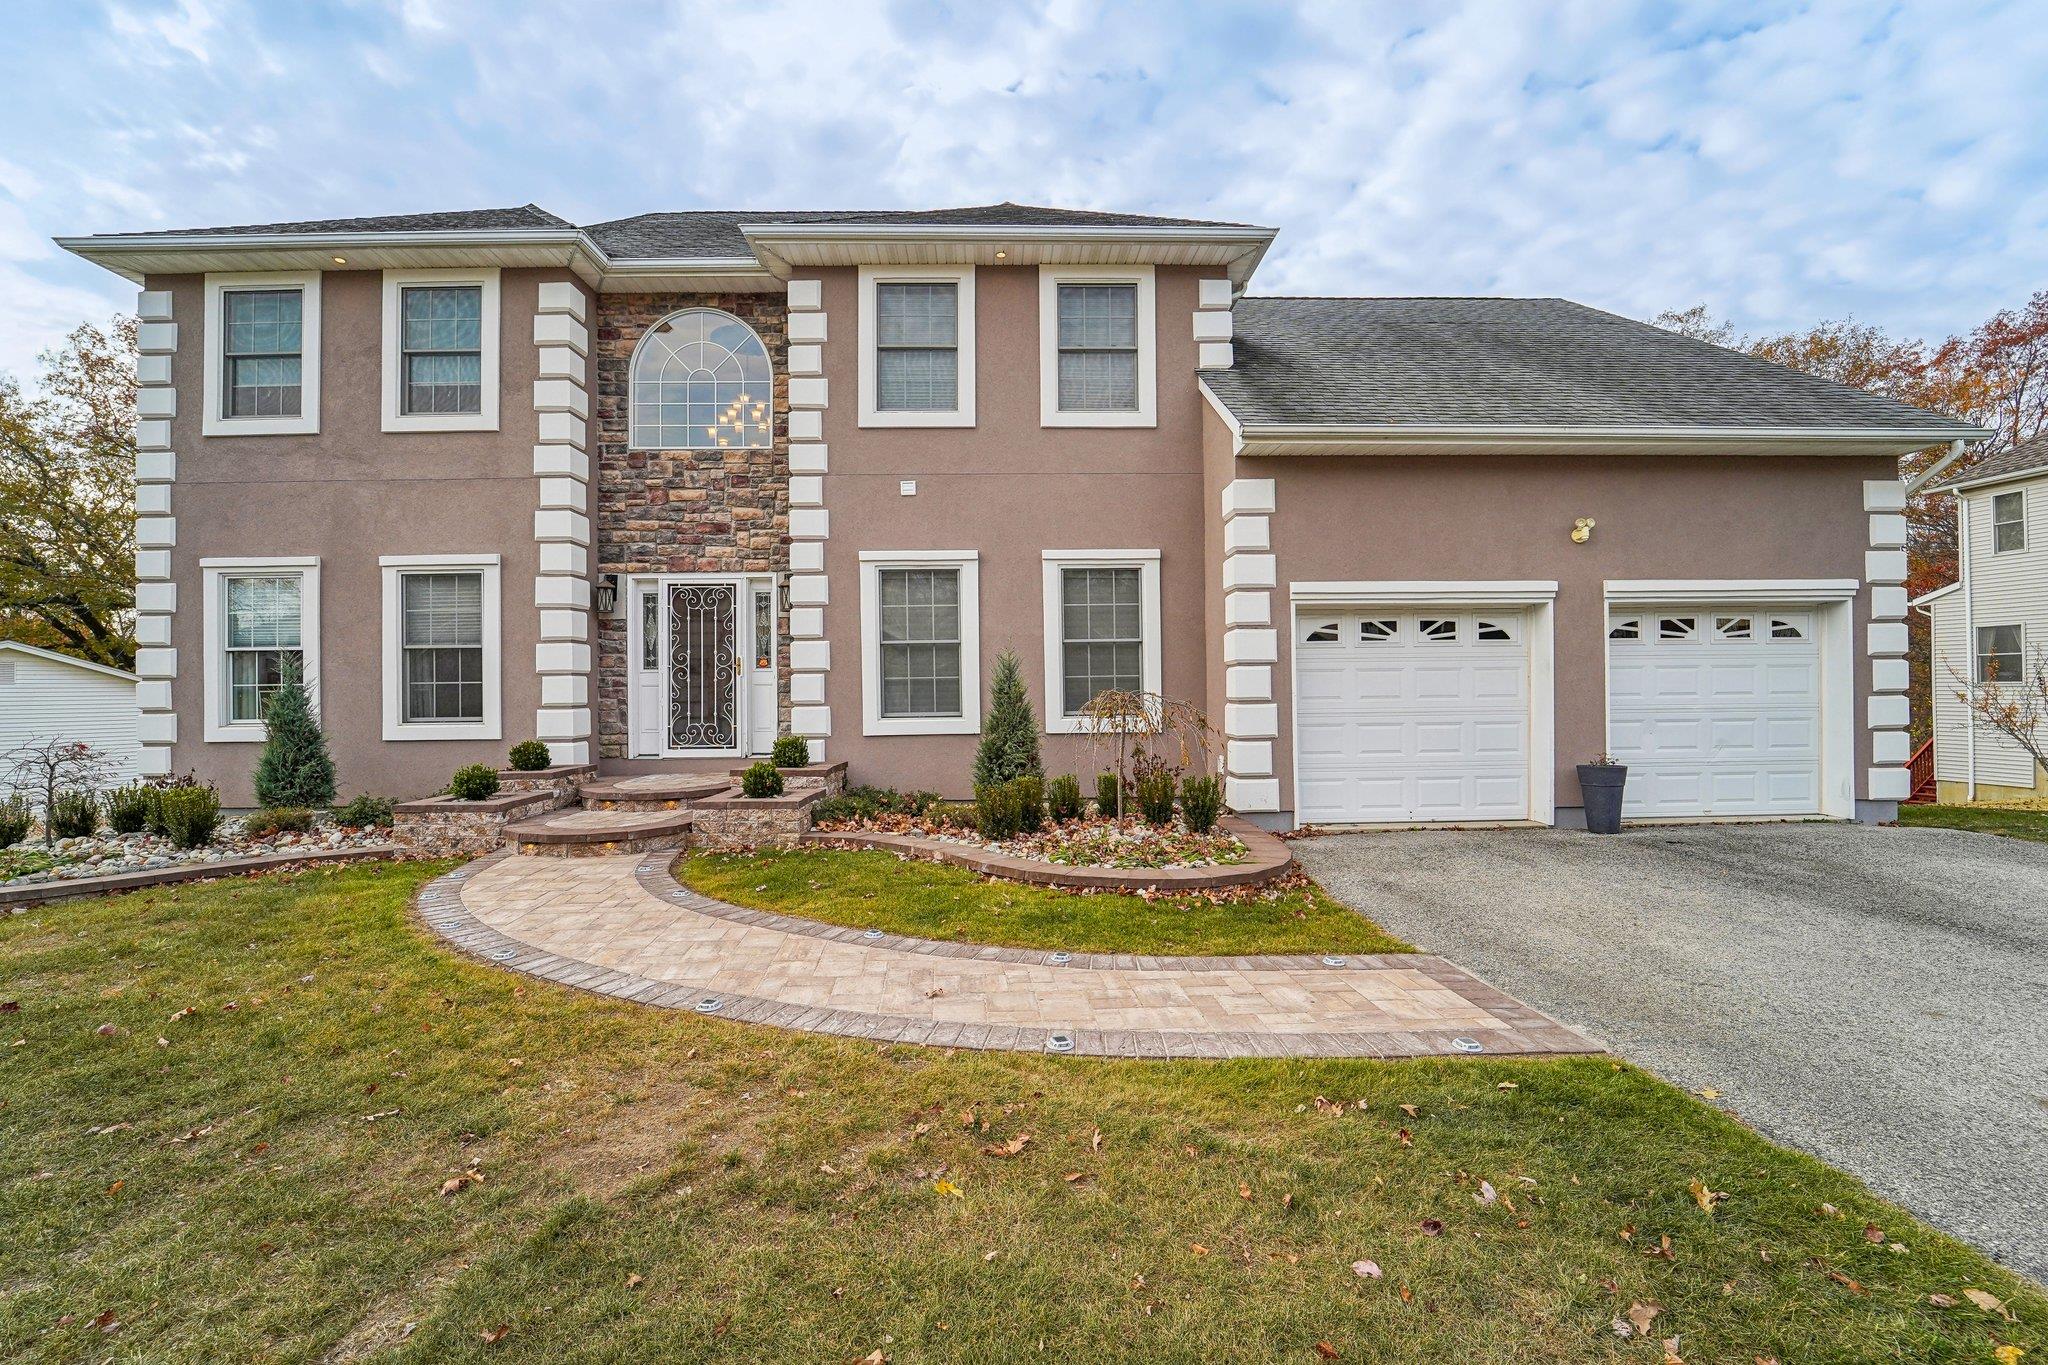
x=2008, y=521
x=1097, y=328
x=916, y=344
x=920, y=642
x=441, y=647
x=1102, y=629
x=441, y=350
x=2001, y=654
x=261, y=365
x=701, y=380
x=260, y=629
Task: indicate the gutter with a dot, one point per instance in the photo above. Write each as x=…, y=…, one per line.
x=1377, y=433
x=1969, y=640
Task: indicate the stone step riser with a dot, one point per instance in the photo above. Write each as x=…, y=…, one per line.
x=653, y=843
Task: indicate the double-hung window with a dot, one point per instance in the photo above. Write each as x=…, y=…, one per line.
x=2008, y=522
x=920, y=623
x=916, y=327
x=441, y=350
x=261, y=633
x=2001, y=654
x=1096, y=331
x=262, y=358
x=441, y=642
x=440, y=346
x=1102, y=629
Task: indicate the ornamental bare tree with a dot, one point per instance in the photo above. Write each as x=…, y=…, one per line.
x=2016, y=708
x=54, y=767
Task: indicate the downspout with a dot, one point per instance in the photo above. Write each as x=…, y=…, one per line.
x=1969, y=640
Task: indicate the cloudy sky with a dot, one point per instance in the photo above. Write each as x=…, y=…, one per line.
x=1781, y=162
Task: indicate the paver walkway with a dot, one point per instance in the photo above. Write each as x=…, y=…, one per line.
x=621, y=925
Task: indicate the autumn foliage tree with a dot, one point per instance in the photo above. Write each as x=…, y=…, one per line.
x=67, y=499
x=1995, y=376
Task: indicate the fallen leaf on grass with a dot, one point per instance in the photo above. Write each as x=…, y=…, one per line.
x=947, y=1187
x=1507, y=1085
x=1830, y=1211
x=1198, y=1249
x=1843, y=1280
x=990, y=1255
x=1410, y=1110
x=1244, y=1191
x=455, y=1184
x=875, y=1357
x=1326, y=1350
x=1008, y=1149
x=1643, y=1314
x=1627, y=1233
x=1071, y=1176
x=1407, y=1138
x=1872, y=1233
x=115, y=1188
x=1705, y=1197
x=1487, y=1194
x=1366, y=1270
x=1661, y=1251
x=635, y=1280
x=1671, y=1352
x=496, y=1334
x=2008, y=1354
x=1095, y=1141
x=1941, y=1300
x=1407, y=1295
x=1989, y=1303
x=1432, y=1227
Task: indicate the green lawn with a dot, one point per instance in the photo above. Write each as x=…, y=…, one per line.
x=2017, y=824
x=931, y=900
x=264, y=1183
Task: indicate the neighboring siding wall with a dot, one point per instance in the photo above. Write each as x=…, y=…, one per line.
x=2005, y=589
x=53, y=701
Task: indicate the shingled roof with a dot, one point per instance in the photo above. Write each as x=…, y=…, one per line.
x=460, y=220
x=2028, y=457
x=716, y=232
x=1513, y=362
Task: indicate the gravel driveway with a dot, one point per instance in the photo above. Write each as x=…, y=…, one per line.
x=1878, y=997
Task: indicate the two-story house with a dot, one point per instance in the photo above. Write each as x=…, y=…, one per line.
x=654, y=490
x=1991, y=624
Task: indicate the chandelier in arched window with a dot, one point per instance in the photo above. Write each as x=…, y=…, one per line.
x=701, y=381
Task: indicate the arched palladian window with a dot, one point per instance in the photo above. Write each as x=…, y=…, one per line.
x=701, y=381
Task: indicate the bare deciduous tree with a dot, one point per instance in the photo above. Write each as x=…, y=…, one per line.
x=49, y=767
x=1126, y=720
x=2016, y=708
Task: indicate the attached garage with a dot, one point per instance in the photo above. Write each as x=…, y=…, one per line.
x=1421, y=713
x=1716, y=710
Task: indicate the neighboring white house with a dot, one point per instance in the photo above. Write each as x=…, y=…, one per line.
x=1995, y=616
x=45, y=695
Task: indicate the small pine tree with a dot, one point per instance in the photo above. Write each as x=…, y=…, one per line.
x=295, y=769
x=1009, y=733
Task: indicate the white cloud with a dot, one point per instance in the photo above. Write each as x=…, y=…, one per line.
x=1795, y=161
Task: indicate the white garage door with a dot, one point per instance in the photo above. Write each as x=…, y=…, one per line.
x=1716, y=710
x=1411, y=715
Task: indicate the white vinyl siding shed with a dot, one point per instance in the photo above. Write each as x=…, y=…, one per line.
x=2006, y=588
x=44, y=695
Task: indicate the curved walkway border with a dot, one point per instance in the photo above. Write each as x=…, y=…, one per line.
x=673, y=948
x=1269, y=861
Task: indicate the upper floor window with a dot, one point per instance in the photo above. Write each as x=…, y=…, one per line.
x=440, y=347
x=1096, y=365
x=701, y=381
x=441, y=350
x=2008, y=521
x=2000, y=654
x=916, y=326
x=262, y=359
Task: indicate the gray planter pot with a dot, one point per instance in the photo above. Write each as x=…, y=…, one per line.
x=1601, y=784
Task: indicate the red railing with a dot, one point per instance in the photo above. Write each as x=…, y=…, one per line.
x=1921, y=764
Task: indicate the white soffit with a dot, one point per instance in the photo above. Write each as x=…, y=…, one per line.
x=1277, y=440
x=785, y=247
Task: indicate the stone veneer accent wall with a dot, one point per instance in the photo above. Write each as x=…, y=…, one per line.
x=681, y=511
x=156, y=531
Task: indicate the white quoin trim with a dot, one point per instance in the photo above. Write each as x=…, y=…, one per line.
x=156, y=598
x=561, y=527
x=1889, y=711
x=1250, y=643
x=810, y=523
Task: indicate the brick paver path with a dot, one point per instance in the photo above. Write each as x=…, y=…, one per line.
x=622, y=926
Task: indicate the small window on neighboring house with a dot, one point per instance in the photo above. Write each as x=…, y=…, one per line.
x=1786, y=630
x=6, y=672
x=441, y=348
x=920, y=645
x=262, y=642
x=1629, y=628
x=443, y=645
x=261, y=344
x=1494, y=630
x=1438, y=631
x=1324, y=633
x=1098, y=347
x=1677, y=628
x=1734, y=628
x=2000, y=654
x=2009, y=522
x=917, y=347
x=1374, y=632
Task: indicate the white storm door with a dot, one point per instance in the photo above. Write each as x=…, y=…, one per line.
x=1716, y=710
x=1412, y=715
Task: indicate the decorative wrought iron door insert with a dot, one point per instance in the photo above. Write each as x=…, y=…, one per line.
x=703, y=621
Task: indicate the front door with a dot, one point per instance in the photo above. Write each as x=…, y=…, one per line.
x=703, y=620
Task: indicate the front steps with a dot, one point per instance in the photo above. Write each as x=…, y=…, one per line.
x=595, y=833
x=651, y=812
x=652, y=791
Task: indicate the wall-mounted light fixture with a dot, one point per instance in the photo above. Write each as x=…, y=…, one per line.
x=607, y=593
x=1582, y=530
